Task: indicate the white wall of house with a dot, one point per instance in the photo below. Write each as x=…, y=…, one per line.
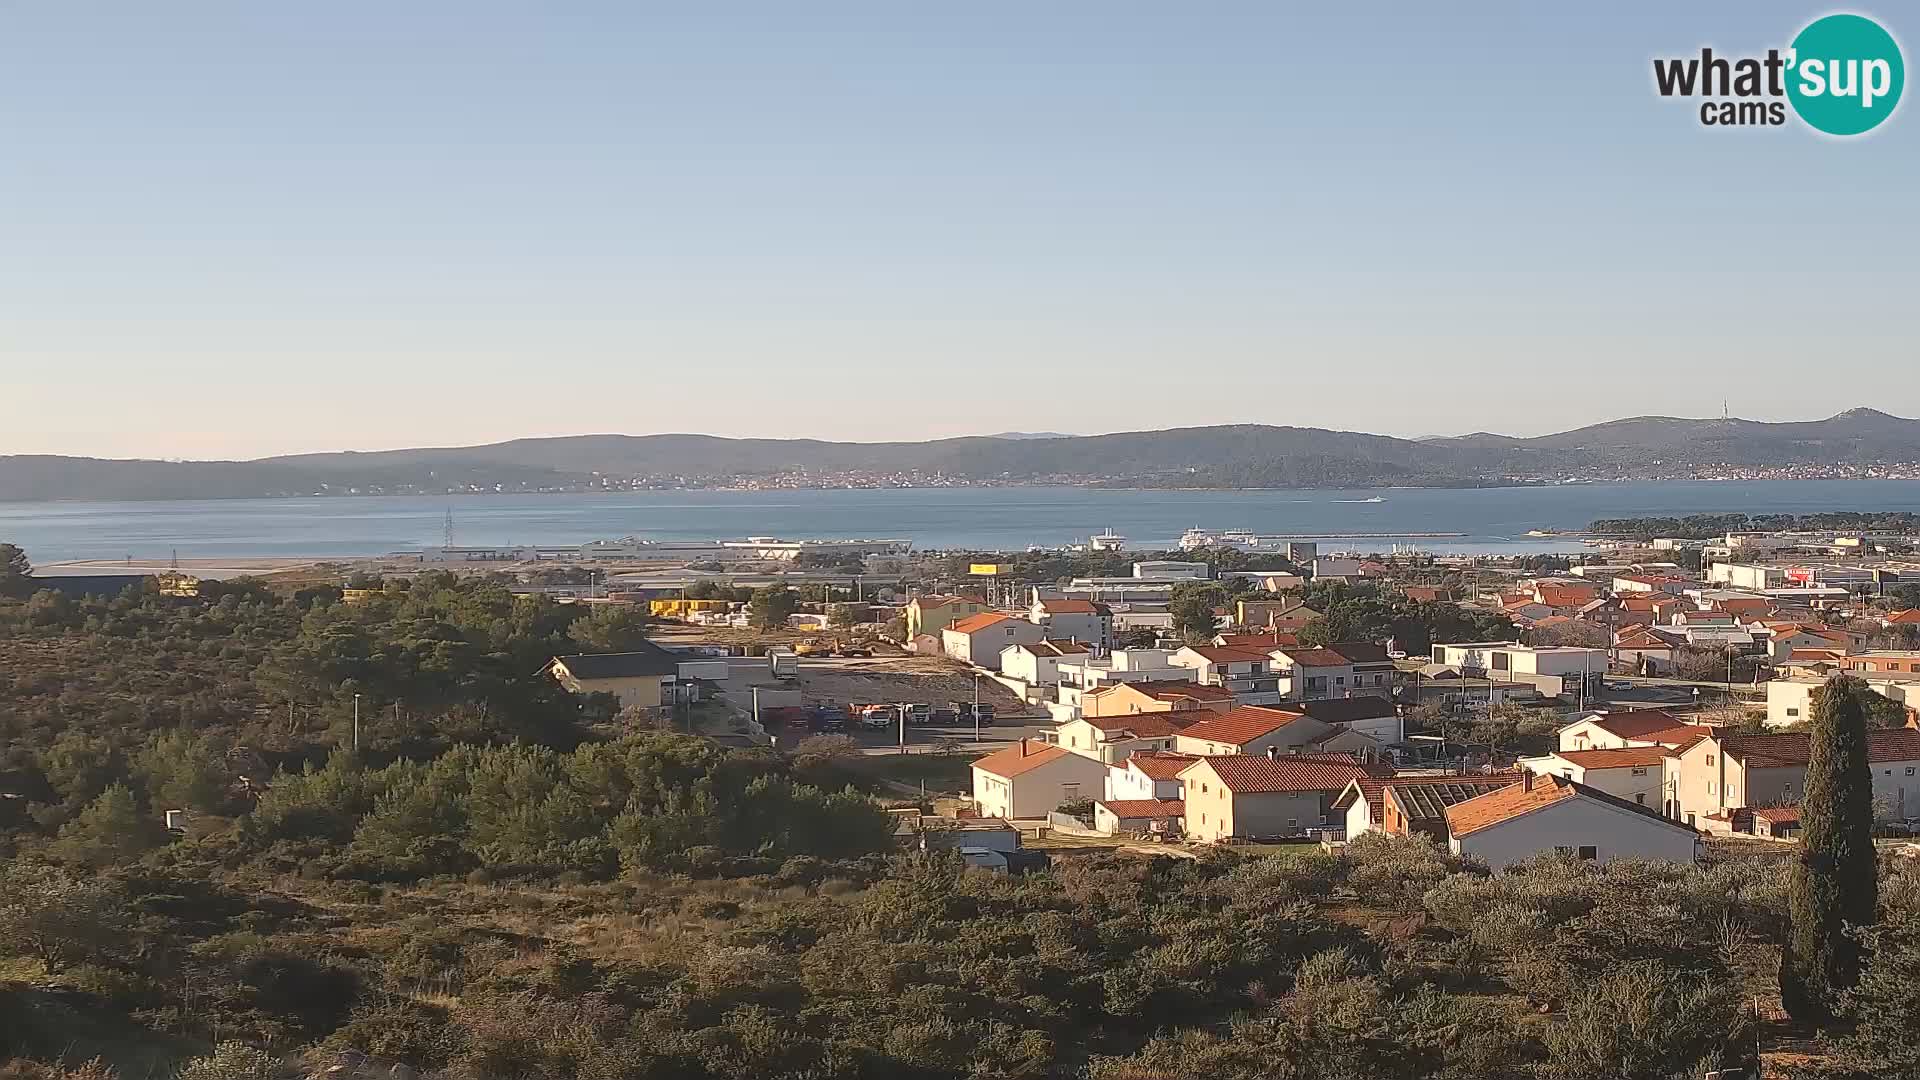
x=1036, y=792
x=1087, y=628
x=982, y=647
x=1359, y=819
x=1578, y=822
x=1644, y=785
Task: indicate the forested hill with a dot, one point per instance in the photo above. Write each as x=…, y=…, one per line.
x=1241, y=455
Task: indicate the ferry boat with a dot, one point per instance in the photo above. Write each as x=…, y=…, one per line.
x=751, y=548
x=1107, y=541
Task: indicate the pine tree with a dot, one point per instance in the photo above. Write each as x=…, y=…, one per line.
x=1834, y=881
x=110, y=829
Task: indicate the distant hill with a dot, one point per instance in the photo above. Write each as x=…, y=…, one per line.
x=1228, y=456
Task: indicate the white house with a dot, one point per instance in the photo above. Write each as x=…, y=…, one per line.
x=1636, y=774
x=1148, y=774
x=1223, y=665
x=1139, y=816
x=1032, y=779
x=978, y=639
x=1635, y=727
x=1411, y=805
x=1554, y=814
x=1251, y=729
x=1084, y=621
x=1038, y=663
x=1113, y=739
x=1311, y=674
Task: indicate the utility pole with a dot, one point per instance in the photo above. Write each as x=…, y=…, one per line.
x=356, y=723
x=903, y=726
x=976, y=710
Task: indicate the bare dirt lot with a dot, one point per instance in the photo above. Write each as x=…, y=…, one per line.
x=933, y=680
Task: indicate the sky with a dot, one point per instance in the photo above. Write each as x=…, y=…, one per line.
x=231, y=229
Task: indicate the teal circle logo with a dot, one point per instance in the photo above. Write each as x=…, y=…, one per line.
x=1845, y=74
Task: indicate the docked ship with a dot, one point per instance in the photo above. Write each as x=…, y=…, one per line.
x=746, y=549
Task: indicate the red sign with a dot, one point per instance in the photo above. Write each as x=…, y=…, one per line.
x=1800, y=574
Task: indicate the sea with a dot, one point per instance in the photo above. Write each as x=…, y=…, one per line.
x=1487, y=520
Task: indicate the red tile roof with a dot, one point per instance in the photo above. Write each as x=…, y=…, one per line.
x=1624, y=757
x=1315, y=657
x=1637, y=723
x=1515, y=800
x=1072, y=607
x=1159, y=764
x=1149, y=725
x=975, y=623
x=1240, y=726
x=1776, y=814
x=1792, y=749
x=1249, y=774
x=1145, y=808
x=1024, y=756
x=1904, y=618
x=1256, y=641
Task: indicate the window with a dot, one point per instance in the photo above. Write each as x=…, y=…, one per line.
x=1293, y=823
x=1562, y=849
x=1709, y=787
x=1589, y=852
x=1640, y=770
x=1791, y=711
x=1709, y=759
x=1641, y=798
x=1909, y=770
x=1069, y=792
x=1203, y=819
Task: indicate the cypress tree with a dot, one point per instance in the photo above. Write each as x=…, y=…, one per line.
x=1834, y=883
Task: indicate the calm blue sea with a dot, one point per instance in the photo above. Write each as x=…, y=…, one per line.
x=1493, y=519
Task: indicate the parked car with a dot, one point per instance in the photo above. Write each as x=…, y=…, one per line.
x=830, y=718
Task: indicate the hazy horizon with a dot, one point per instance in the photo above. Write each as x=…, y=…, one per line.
x=231, y=231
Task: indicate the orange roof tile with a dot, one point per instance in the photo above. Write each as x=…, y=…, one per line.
x=1249, y=774
x=973, y=624
x=1240, y=726
x=1145, y=808
x=1624, y=757
x=1025, y=756
x=1160, y=764
x=1219, y=654
x=1904, y=618
x=1147, y=725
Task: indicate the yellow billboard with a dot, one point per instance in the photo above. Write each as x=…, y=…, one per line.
x=989, y=569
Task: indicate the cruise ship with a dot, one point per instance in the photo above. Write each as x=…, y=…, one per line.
x=746, y=549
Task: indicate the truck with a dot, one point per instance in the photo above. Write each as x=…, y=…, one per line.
x=920, y=714
x=785, y=663
x=966, y=713
x=879, y=716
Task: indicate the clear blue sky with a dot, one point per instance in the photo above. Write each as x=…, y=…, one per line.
x=236, y=228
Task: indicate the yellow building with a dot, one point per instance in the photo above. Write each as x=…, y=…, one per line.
x=1129, y=699
x=932, y=614
x=635, y=679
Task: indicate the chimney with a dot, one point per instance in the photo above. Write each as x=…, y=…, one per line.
x=1526, y=780
x=1273, y=753
x=1023, y=747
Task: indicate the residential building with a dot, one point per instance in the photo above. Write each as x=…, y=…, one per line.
x=1634, y=773
x=1554, y=814
x=1883, y=662
x=1139, y=816
x=1374, y=717
x=1255, y=730
x=1650, y=583
x=1330, y=566
x=1249, y=797
x=1171, y=570
x=1790, y=697
x=1428, y=594
x=1411, y=805
x=1720, y=773
x=1373, y=670
x=978, y=639
x=1112, y=739
x=1556, y=671
x=1274, y=616
x=932, y=614
x=636, y=679
x=1247, y=672
x=1643, y=651
x=1123, y=666
x=1308, y=674
x=1128, y=699
x=1084, y=621
x=1038, y=663
x=1634, y=727
x=1031, y=779
x=1148, y=774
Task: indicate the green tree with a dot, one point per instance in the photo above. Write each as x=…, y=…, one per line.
x=1192, y=607
x=611, y=629
x=1834, y=884
x=771, y=606
x=16, y=573
x=57, y=917
x=111, y=829
x=182, y=771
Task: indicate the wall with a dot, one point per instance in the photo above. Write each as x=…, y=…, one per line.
x=1037, y=792
x=1789, y=701
x=1578, y=822
x=641, y=691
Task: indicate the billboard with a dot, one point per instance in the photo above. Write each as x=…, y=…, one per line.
x=989, y=569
